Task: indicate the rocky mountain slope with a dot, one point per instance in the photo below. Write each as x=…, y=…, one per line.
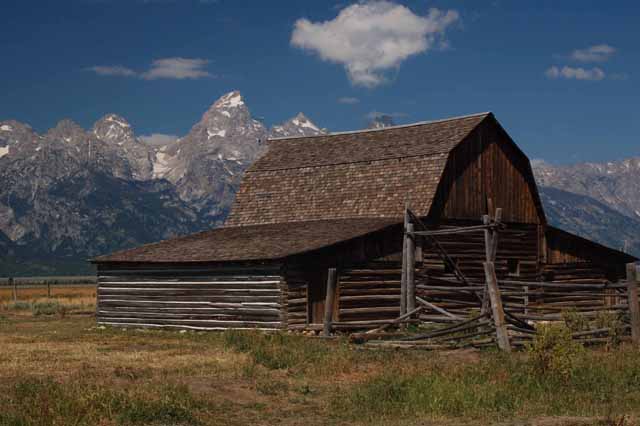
x=70, y=194
x=616, y=183
x=596, y=200
x=592, y=219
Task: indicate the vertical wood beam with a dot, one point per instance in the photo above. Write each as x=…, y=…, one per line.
x=403, y=277
x=634, y=306
x=496, y=307
x=332, y=276
x=411, y=265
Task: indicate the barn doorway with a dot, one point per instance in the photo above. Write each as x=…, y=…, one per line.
x=317, y=291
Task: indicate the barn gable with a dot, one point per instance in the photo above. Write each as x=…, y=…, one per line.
x=485, y=171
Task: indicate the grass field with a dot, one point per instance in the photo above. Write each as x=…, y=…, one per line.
x=59, y=368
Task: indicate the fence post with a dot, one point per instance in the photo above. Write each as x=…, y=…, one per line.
x=496, y=307
x=328, y=301
x=14, y=284
x=48, y=289
x=411, y=265
x=634, y=306
x=403, y=274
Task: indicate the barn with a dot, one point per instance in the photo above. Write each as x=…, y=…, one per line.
x=318, y=227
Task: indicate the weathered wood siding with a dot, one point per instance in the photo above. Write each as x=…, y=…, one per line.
x=369, y=292
x=205, y=298
x=588, y=259
x=484, y=172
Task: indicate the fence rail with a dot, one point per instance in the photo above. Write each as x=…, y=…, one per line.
x=41, y=281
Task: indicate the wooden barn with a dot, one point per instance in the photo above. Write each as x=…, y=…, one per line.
x=318, y=229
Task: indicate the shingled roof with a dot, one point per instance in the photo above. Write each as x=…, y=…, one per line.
x=244, y=243
x=371, y=173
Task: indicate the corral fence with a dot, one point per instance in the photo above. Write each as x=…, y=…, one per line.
x=18, y=283
x=505, y=312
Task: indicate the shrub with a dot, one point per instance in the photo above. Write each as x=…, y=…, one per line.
x=554, y=352
x=277, y=350
x=574, y=320
x=614, y=323
x=49, y=307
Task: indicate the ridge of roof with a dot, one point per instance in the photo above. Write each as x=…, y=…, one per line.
x=400, y=126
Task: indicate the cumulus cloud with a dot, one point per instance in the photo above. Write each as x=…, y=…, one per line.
x=114, y=70
x=166, y=68
x=348, y=100
x=373, y=37
x=158, y=139
x=596, y=53
x=565, y=72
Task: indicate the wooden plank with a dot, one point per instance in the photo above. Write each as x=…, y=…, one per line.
x=329, y=299
x=496, y=307
x=634, y=307
x=411, y=267
x=403, y=279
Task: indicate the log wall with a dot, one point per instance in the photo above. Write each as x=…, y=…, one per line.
x=202, y=298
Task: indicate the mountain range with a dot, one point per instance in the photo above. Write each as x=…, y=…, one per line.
x=70, y=193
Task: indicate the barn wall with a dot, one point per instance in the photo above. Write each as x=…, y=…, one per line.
x=370, y=291
x=484, y=172
x=204, y=297
x=566, y=252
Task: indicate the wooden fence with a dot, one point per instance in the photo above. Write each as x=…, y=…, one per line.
x=501, y=312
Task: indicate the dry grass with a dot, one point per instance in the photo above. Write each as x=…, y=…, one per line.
x=59, y=370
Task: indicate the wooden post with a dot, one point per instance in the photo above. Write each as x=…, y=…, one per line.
x=14, y=284
x=328, y=301
x=403, y=278
x=411, y=265
x=496, y=307
x=488, y=243
x=634, y=306
x=48, y=289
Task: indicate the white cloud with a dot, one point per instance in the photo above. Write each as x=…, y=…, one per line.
x=177, y=68
x=158, y=139
x=593, y=74
x=373, y=37
x=115, y=70
x=596, y=53
x=173, y=68
x=348, y=100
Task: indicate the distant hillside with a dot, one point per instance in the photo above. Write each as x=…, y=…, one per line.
x=589, y=218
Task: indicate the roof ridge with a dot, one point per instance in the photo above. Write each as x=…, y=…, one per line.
x=400, y=126
x=342, y=163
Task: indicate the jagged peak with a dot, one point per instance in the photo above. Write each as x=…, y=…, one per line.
x=66, y=126
x=115, y=119
x=113, y=128
x=14, y=125
x=232, y=99
x=303, y=121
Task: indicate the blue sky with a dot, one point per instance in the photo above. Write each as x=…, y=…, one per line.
x=562, y=77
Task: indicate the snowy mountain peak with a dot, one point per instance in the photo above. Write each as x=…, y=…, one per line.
x=299, y=125
x=381, y=121
x=113, y=128
x=230, y=100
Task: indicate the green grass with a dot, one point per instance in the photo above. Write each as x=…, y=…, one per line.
x=498, y=387
x=44, y=402
x=66, y=371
